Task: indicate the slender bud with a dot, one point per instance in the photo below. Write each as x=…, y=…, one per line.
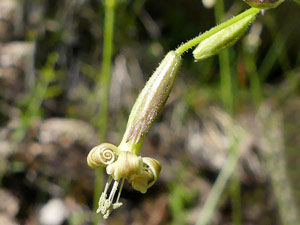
x=225, y=38
x=263, y=4
x=150, y=103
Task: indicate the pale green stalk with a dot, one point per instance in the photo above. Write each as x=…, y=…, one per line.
x=235, y=197
x=103, y=86
x=104, y=76
x=225, y=74
x=213, y=198
x=255, y=83
x=227, y=96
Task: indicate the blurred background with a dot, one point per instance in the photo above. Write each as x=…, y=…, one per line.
x=228, y=138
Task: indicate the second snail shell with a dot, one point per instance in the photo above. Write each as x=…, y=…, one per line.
x=148, y=176
x=102, y=155
x=154, y=166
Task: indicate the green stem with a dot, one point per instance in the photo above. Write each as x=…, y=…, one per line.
x=235, y=197
x=227, y=96
x=213, y=198
x=195, y=41
x=255, y=83
x=104, y=76
x=103, y=85
x=225, y=74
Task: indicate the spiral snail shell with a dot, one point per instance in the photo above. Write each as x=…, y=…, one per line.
x=148, y=176
x=102, y=155
x=154, y=166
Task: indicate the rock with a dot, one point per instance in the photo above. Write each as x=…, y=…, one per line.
x=7, y=148
x=54, y=212
x=11, y=206
x=67, y=132
x=209, y=144
x=6, y=220
x=11, y=17
x=60, y=152
x=16, y=67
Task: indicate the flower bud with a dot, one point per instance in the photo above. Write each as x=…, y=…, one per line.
x=263, y=4
x=150, y=102
x=225, y=38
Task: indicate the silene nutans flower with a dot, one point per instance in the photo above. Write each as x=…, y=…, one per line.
x=123, y=162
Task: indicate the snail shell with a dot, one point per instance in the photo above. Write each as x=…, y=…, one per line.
x=147, y=177
x=153, y=168
x=102, y=155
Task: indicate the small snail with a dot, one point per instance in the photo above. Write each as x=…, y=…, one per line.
x=147, y=177
x=102, y=155
x=263, y=4
x=154, y=167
